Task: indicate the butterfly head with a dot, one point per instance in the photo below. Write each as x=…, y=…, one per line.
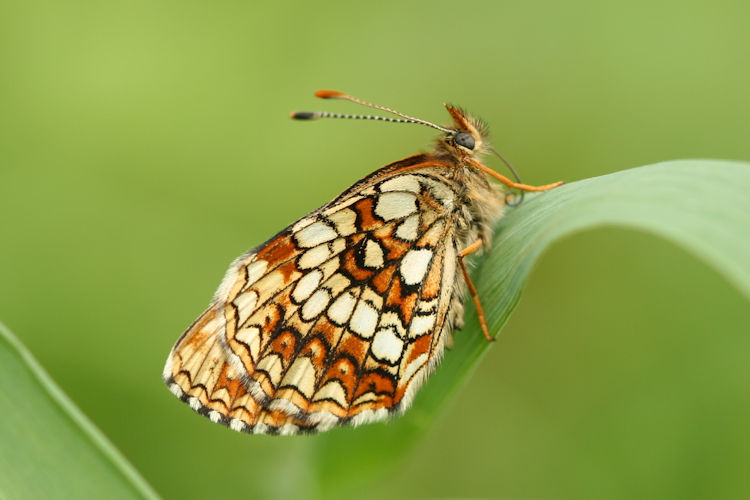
x=468, y=136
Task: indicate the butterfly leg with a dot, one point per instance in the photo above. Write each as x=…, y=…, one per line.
x=472, y=289
x=510, y=183
x=526, y=187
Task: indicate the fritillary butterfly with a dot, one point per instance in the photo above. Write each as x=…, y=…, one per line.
x=340, y=317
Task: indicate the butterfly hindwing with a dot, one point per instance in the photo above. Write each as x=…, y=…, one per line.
x=337, y=319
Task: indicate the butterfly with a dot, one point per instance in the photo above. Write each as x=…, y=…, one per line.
x=340, y=317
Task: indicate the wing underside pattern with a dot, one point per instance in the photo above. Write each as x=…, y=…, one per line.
x=338, y=319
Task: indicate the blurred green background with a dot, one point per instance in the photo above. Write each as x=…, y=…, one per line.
x=144, y=145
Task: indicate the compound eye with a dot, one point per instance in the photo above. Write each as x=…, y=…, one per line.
x=464, y=139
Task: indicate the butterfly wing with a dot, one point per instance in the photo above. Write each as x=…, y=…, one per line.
x=337, y=319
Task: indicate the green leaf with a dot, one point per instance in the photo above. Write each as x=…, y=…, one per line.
x=701, y=205
x=48, y=448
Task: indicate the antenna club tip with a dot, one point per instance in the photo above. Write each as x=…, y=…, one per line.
x=329, y=94
x=303, y=115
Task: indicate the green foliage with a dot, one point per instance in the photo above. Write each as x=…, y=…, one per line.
x=700, y=205
x=48, y=448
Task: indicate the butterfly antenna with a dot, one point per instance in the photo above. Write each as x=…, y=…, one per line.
x=509, y=197
x=332, y=94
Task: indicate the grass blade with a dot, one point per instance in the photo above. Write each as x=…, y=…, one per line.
x=701, y=205
x=49, y=448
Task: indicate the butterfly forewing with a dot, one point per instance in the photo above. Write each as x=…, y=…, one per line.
x=337, y=319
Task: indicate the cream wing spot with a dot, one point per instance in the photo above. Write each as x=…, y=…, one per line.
x=342, y=308
x=316, y=304
x=434, y=234
x=444, y=194
x=392, y=319
x=364, y=398
x=329, y=267
x=208, y=372
x=387, y=346
x=314, y=257
x=337, y=283
x=427, y=306
x=372, y=296
x=421, y=325
x=408, y=230
x=194, y=363
x=314, y=234
x=414, y=265
x=250, y=336
x=306, y=286
x=373, y=254
x=268, y=284
x=221, y=394
x=345, y=221
x=272, y=365
x=332, y=390
x=301, y=376
x=245, y=304
x=338, y=245
x=255, y=271
x=395, y=205
x=401, y=183
x=364, y=320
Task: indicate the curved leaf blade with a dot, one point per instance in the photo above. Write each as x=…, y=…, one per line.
x=48, y=448
x=701, y=205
